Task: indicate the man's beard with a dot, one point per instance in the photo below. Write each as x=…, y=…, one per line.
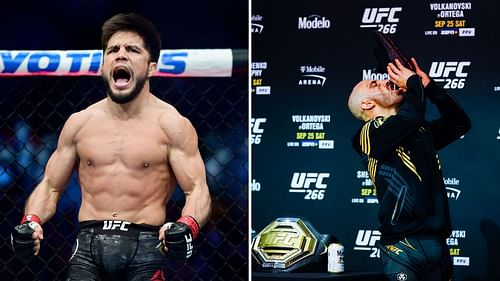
x=122, y=99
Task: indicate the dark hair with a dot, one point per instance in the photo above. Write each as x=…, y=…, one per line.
x=135, y=23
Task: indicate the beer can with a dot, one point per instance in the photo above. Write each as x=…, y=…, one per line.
x=335, y=258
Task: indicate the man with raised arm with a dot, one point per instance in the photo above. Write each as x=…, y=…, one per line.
x=399, y=148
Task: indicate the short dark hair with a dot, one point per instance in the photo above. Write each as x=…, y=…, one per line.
x=134, y=23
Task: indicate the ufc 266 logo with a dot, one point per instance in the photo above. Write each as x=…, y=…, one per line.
x=384, y=19
x=366, y=241
x=312, y=184
x=257, y=131
x=452, y=73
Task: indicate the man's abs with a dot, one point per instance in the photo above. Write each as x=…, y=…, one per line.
x=139, y=199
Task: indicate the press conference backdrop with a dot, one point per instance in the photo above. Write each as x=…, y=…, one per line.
x=307, y=56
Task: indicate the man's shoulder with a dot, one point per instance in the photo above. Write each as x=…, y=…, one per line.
x=167, y=113
x=173, y=123
x=361, y=137
x=81, y=117
x=162, y=105
x=94, y=108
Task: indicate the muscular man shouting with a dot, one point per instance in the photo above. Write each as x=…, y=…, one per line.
x=130, y=149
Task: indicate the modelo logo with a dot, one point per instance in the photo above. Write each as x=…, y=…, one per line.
x=368, y=74
x=376, y=15
x=314, y=22
x=256, y=186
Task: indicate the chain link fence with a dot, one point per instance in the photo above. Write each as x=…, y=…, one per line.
x=32, y=113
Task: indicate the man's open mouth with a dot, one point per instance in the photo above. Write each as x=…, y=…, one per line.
x=391, y=85
x=121, y=77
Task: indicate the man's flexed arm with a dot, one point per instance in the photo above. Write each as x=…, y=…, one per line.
x=189, y=170
x=41, y=205
x=42, y=202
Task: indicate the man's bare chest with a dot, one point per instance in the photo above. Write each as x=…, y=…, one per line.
x=129, y=143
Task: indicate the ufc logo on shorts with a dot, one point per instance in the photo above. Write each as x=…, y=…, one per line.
x=445, y=68
x=304, y=180
x=112, y=225
x=377, y=15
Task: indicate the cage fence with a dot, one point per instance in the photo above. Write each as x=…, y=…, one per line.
x=32, y=113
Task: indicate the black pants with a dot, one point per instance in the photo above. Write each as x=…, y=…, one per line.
x=116, y=250
x=419, y=258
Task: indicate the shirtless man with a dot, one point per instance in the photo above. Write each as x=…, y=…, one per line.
x=130, y=149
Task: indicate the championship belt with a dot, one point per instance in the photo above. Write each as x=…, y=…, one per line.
x=288, y=244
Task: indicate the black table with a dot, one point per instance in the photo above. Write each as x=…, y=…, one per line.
x=351, y=276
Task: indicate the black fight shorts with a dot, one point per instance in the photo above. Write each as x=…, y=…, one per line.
x=116, y=250
x=417, y=258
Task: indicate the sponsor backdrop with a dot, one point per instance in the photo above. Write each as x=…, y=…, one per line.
x=305, y=60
